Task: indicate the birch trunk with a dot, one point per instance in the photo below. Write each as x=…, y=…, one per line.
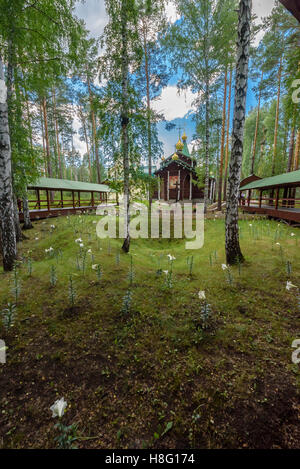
x=125, y=121
x=7, y=231
x=232, y=245
x=57, y=136
x=148, y=108
x=227, y=136
x=27, y=222
x=86, y=142
x=297, y=151
x=222, y=145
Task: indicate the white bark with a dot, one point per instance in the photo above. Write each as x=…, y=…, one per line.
x=8, y=235
x=233, y=251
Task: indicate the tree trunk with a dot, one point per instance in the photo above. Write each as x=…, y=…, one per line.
x=276, y=118
x=232, y=245
x=291, y=150
x=227, y=136
x=7, y=231
x=148, y=109
x=222, y=144
x=297, y=151
x=27, y=222
x=57, y=136
x=256, y=126
x=48, y=155
x=207, y=137
x=125, y=121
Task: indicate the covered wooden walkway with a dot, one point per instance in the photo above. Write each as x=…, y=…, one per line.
x=277, y=196
x=49, y=197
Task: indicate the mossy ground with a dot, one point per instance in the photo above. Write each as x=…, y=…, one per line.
x=126, y=376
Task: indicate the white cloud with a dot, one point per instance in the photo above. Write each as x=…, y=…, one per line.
x=173, y=105
x=261, y=8
x=94, y=14
x=171, y=12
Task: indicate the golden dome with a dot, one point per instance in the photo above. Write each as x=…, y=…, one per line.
x=175, y=156
x=179, y=145
x=162, y=158
x=184, y=137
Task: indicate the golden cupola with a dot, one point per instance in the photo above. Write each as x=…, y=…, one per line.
x=179, y=145
x=175, y=156
x=184, y=137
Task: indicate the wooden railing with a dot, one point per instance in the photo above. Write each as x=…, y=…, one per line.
x=271, y=202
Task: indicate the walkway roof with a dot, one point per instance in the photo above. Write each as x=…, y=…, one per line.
x=291, y=179
x=66, y=185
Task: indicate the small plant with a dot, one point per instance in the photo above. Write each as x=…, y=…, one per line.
x=127, y=300
x=205, y=314
x=288, y=266
x=190, y=263
x=29, y=265
x=131, y=272
x=67, y=433
x=99, y=272
x=72, y=291
x=117, y=257
x=16, y=283
x=229, y=277
x=8, y=316
x=53, y=277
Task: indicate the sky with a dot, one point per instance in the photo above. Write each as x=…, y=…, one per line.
x=177, y=108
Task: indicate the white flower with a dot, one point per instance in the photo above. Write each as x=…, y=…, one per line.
x=81, y=245
x=79, y=240
x=278, y=244
x=89, y=251
x=50, y=249
x=201, y=295
x=224, y=266
x=58, y=408
x=293, y=234
x=172, y=258
x=95, y=266
x=52, y=227
x=289, y=285
x=94, y=222
x=250, y=224
x=165, y=272
x=36, y=239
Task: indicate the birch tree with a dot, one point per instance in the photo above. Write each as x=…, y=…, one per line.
x=232, y=245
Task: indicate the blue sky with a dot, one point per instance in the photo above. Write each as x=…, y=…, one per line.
x=176, y=108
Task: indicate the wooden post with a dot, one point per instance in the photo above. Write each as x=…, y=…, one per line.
x=249, y=197
x=78, y=198
x=179, y=184
x=277, y=198
x=38, y=199
x=93, y=202
x=168, y=186
x=73, y=198
x=62, y=199
x=260, y=198
x=48, y=200
x=159, y=182
x=190, y=197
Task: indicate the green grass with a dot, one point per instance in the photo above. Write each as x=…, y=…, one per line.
x=227, y=383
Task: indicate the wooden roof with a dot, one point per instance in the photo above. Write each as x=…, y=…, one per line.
x=67, y=185
x=293, y=6
x=291, y=179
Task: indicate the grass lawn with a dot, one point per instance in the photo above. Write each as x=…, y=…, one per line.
x=166, y=370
